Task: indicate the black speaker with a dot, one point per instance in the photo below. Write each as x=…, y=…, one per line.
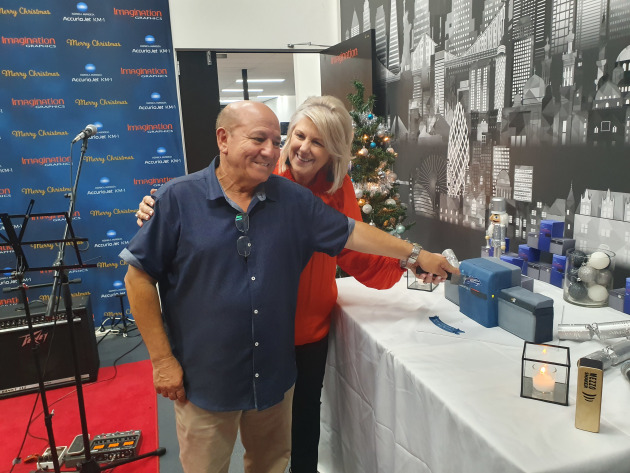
x=17, y=366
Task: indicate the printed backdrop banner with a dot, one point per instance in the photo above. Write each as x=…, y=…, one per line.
x=65, y=65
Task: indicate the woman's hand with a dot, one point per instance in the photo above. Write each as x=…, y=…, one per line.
x=145, y=208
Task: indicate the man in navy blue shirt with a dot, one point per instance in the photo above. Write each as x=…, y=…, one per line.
x=227, y=246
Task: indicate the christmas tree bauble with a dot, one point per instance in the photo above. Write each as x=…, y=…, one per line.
x=361, y=202
x=367, y=209
x=390, y=202
x=358, y=193
x=400, y=228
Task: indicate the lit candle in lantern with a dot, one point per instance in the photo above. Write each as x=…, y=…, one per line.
x=544, y=379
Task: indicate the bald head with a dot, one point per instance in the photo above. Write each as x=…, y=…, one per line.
x=235, y=114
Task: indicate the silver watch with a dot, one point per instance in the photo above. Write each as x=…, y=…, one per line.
x=413, y=257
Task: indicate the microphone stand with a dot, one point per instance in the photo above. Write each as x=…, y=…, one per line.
x=60, y=281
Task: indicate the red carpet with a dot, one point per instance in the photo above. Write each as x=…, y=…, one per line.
x=126, y=402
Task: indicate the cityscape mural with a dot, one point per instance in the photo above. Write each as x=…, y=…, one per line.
x=525, y=99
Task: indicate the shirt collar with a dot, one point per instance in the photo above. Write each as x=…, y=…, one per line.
x=215, y=191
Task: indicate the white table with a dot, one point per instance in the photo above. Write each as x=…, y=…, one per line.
x=404, y=396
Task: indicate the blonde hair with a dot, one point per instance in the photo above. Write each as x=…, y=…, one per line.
x=334, y=124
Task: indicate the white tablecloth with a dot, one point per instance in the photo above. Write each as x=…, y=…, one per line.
x=404, y=396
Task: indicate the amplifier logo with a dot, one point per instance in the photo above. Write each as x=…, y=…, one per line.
x=82, y=14
x=144, y=72
x=40, y=337
x=30, y=73
x=29, y=42
x=139, y=14
x=23, y=11
x=46, y=161
x=152, y=128
x=39, y=103
x=5, y=193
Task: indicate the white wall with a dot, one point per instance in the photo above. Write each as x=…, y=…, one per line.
x=253, y=24
x=307, y=75
x=283, y=107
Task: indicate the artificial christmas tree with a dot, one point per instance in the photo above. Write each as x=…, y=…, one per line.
x=371, y=168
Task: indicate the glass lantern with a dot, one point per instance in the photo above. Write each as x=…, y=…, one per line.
x=545, y=373
x=416, y=284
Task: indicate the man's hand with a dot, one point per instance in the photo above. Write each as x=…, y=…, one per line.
x=168, y=378
x=433, y=267
x=145, y=208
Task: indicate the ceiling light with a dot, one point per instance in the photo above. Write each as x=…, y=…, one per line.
x=261, y=80
x=241, y=90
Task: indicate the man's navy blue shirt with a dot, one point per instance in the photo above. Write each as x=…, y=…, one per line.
x=230, y=319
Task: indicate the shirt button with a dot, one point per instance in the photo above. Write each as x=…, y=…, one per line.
x=253, y=278
x=256, y=375
x=256, y=344
x=255, y=311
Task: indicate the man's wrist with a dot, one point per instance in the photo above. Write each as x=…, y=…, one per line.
x=413, y=256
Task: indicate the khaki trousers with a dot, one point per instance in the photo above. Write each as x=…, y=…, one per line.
x=206, y=439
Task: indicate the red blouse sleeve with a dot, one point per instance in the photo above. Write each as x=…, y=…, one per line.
x=378, y=272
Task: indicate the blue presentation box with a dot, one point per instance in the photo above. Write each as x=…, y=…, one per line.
x=557, y=278
x=551, y=228
x=514, y=259
x=559, y=263
x=628, y=286
x=626, y=305
x=481, y=281
x=544, y=243
x=528, y=253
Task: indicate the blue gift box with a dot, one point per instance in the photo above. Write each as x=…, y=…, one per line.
x=616, y=298
x=514, y=259
x=551, y=228
x=557, y=278
x=559, y=263
x=628, y=286
x=481, y=281
x=626, y=305
x=528, y=253
x=544, y=242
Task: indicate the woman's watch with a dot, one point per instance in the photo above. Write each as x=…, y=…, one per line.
x=413, y=257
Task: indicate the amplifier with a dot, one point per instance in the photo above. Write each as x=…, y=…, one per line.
x=110, y=447
x=17, y=368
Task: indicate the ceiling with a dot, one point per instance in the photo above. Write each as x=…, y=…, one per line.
x=259, y=66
